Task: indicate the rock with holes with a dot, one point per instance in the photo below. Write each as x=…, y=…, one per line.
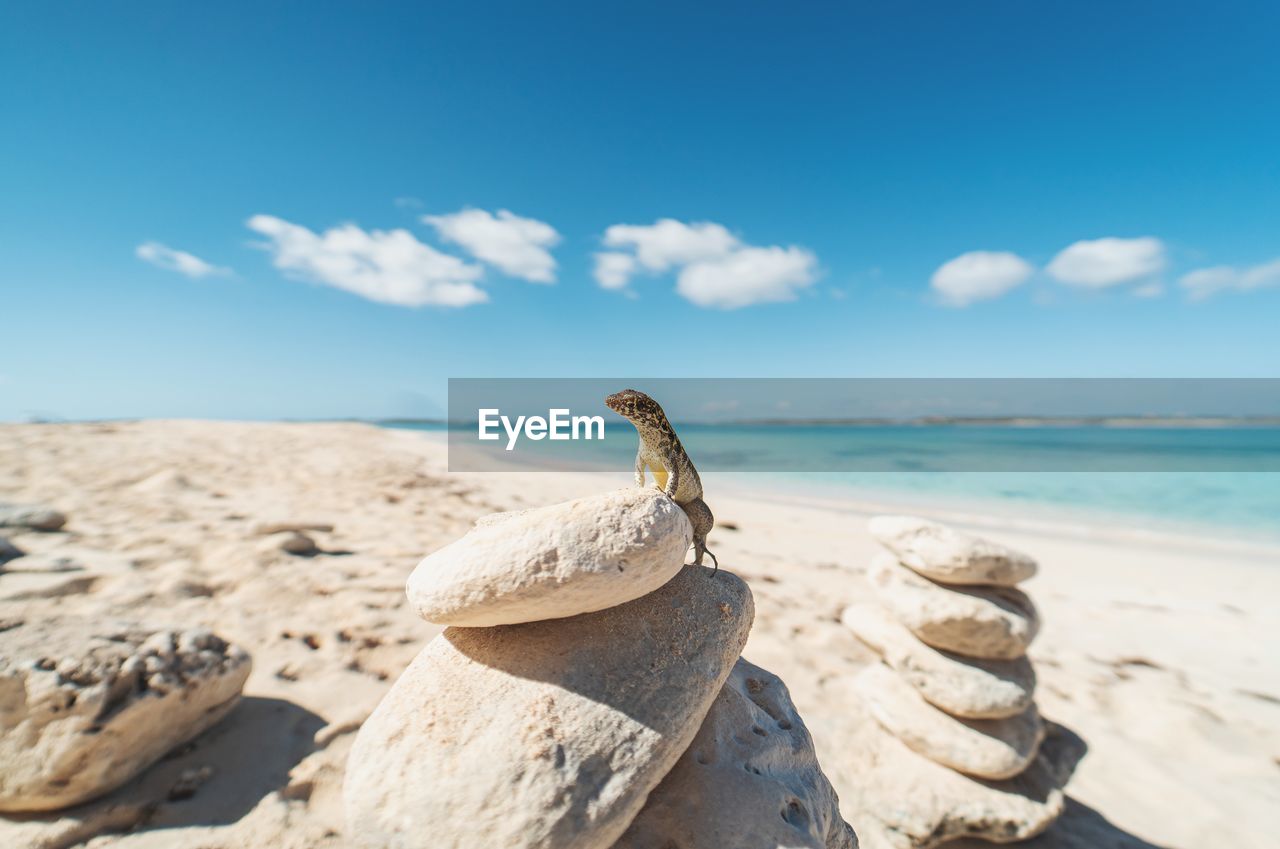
x=967, y=687
x=85, y=705
x=950, y=556
x=750, y=779
x=983, y=748
x=990, y=622
x=576, y=557
x=899, y=799
x=31, y=516
x=548, y=734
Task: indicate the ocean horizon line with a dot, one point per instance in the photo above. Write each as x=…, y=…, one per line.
x=1115, y=421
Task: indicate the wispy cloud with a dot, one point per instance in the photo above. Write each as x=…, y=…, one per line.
x=387, y=266
x=519, y=247
x=979, y=276
x=1204, y=282
x=163, y=256
x=614, y=270
x=1101, y=263
x=715, y=268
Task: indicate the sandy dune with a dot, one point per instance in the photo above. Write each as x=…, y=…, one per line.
x=1160, y=654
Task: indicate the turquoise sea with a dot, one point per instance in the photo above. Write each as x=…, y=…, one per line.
x=1219, y=481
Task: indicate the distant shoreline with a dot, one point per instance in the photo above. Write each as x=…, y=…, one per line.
x=1127, y=421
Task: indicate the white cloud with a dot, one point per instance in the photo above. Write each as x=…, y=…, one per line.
x=715, y=269
x=390, y=267
x=614, y=270
x=748, y=276
x=667, y=243
x=517, y=246
x=163, y=256
x=1100, y=263
x=1204, y=282
x=1153, y=289
x=979, y=276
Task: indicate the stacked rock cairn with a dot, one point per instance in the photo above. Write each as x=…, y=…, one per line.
x=587, y=694
x=960, y=749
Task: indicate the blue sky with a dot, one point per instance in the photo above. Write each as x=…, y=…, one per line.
x=855, y=189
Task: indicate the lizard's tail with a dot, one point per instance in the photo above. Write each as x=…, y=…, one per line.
x=700, y=548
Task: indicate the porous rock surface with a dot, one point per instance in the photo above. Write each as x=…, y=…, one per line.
x=548, y=734
x=84, y=705
x=551, y=562
x=749, y=780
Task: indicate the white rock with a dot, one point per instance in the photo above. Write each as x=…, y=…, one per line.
x=970, y=687
x=749, y=780
x=546, y=735
x=950, y=556
x=986, y=748
x=991, y=622
x=557, y=561
x=899, y=799
x=85, y=706
x=31, y=516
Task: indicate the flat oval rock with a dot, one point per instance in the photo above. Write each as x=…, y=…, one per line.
x=899, y=799
x=969, y=687
x=987, y=622
x=551, y=562
x=750, y=779
x=544, y=735
x=33, y=516
x=985, y=748
x=950, y=556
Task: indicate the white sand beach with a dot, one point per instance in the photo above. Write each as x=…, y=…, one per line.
x=1161, y=653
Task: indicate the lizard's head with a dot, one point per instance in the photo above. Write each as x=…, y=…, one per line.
x=636, y=407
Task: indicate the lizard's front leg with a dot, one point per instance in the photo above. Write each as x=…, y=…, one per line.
x=673, y=476
x=640, y=469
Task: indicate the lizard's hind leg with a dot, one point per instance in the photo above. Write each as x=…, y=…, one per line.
x=702, y=549
x=703, y=521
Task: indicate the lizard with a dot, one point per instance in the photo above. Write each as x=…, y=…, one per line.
x=662, y=454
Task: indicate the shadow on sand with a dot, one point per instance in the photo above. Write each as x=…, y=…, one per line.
x=1079, y=827
x=248, y=756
